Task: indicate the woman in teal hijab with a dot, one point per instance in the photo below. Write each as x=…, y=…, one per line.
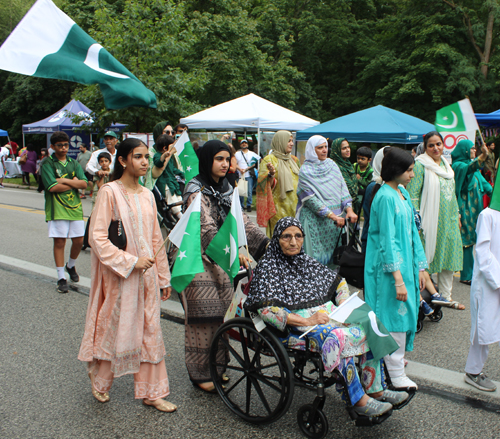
x=470, y=186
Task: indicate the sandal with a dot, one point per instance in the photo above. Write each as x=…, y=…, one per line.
x=161, y=405
x=457, y=305
x=208, y=389
x=225, y=378
x=101, y=397
x=466, y=282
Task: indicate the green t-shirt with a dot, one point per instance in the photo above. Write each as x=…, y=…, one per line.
x=61, y=205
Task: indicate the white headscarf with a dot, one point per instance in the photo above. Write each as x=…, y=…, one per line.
x=312, y=143
x=377, y=165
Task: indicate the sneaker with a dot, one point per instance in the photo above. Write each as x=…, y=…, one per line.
x=403, y=382
x=249, y=209
x=426, y=309
x=439, y=300
x=393, y=397
x=373, y=408
x=1, y=185
x=62, y=286
x=73, y=275
x=480, y=381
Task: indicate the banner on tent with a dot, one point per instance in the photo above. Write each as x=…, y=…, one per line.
x=75, y=140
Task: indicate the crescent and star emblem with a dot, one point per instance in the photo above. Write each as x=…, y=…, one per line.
x=92, y=61
x=453, y=124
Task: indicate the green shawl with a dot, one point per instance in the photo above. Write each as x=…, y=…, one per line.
x=347, y=170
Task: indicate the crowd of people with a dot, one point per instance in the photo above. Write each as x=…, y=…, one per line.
x=420, y=218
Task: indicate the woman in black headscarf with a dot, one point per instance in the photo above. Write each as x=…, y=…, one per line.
x=208, y=296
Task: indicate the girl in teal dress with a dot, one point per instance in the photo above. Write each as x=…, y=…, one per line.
x=394, y=260
x=470, y=186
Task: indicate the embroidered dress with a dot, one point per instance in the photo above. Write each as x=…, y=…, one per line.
x=393, y=244
x=122, y=330
x=448, y=254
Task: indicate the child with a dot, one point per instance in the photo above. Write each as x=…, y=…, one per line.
x=104, y=160
x=363, y=170
x=62, y=177
x=485, y=294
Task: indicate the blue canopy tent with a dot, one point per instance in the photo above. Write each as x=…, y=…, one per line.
x=4, y=133
x=488, y=120
x=374, y=125
x=61, y=121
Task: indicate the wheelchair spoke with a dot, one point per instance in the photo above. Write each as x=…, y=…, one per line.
x=244, y=346
x=265, y=379
x=261, y=394
x=249, y=394
x=236, y=356
x=229, y=390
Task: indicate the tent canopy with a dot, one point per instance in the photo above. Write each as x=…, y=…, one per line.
x=248, y=112
x=374, y=125
x=4, y=133
x=61, y=120
x=488, y=119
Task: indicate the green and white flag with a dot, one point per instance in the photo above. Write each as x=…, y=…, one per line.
x=224, y=248
x=354, y=310
x=49, y=44
x=187, y=156
x=456, y=117
x=186, y=236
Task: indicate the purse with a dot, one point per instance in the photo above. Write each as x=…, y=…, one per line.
x=242, y=187
x=23, y=159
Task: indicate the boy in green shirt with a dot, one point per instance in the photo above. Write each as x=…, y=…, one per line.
x=363, y=170
x=63, y=177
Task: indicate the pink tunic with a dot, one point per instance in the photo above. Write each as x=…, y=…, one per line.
x=123, y=315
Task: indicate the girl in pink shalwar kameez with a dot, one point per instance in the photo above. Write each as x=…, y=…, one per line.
x=122, y=331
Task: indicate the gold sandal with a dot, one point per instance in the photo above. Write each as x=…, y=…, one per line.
x=101, y=397
x=163, y=406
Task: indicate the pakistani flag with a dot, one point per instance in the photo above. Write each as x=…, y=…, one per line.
x=187, y=156
x=186, y=236
x=225, y=245
x=49, y=44
x=354, y=310
x=456, y=117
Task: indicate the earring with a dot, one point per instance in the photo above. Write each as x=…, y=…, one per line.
x=124, y=166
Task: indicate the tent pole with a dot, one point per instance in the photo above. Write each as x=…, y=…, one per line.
x=258, y=141
x=23, y=139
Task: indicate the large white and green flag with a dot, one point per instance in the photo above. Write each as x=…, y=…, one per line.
x=224, y=248
x=187, y=156
x=49, y=44
x=456, y=122
x=186, y=236
x=356, y=311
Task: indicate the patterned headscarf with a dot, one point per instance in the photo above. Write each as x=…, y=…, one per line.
x=293, y=282
x=345, y=167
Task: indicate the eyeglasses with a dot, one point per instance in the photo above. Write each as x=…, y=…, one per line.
x=288, y=237
x=168, y=132
x=60, y=145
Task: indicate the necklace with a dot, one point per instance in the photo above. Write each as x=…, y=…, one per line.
x=131, y=189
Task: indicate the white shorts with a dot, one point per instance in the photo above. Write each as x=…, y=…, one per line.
x=66, y=229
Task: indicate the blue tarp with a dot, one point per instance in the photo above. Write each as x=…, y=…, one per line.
x=488, y=119
x=4, y=133
x=61, y=120
x=374, y=125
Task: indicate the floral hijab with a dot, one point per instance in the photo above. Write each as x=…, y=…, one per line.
x=293, y=282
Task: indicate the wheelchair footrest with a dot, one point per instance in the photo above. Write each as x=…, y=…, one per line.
x=411, y=393
x=368, y=421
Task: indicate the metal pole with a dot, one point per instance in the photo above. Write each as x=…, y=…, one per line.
x=258, y=141
x=23, y=139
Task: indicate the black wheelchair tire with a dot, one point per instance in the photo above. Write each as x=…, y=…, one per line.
x=312, y=423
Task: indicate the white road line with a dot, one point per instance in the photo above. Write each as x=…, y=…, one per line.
x=423, y=373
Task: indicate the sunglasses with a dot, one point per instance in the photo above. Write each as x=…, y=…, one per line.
x=168, y=132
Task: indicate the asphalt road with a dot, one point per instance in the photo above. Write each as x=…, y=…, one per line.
x=46, y=392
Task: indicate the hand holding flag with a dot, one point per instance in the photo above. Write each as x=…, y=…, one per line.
x=187, y=156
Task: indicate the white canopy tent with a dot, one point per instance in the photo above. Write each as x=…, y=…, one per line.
x=251, y=113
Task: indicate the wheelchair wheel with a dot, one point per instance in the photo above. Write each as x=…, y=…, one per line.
x=420, y=325
x=313, y=423
x=437, y=315
x=260, y=387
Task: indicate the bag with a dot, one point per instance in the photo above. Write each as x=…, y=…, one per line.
x=23, y=159
x=242, y=187
x=240, y=296
x=116, y=234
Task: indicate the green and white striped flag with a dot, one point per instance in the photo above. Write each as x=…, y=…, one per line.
x=49, y=44
x=224, y=248
x=456, y=117
x=186, y=236
x=356, y=311
x=187, y=156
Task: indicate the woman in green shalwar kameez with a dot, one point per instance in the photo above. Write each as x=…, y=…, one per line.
x=341, y=151
x=470, y=186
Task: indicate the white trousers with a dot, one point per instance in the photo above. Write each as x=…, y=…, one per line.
x=478, y=353
x=396, y=361
x=445, y=283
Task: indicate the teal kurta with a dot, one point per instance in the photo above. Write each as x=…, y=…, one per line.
x=393, y=244
x=448, y=254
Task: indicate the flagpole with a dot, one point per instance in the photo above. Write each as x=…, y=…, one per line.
x=332, y=313
x=158, y=251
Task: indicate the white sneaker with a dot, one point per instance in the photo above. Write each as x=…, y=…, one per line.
x=403, y=382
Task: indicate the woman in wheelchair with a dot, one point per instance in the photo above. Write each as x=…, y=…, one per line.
x=290, y=288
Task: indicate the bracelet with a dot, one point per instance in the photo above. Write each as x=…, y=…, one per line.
x=400, y=285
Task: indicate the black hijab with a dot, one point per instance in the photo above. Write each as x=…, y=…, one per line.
x=221, y=191
x=293, y=282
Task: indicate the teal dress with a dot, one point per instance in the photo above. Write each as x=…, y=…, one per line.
x=393, y=244
x=448, y=254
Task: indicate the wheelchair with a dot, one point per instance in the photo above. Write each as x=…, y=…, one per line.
x=263, y=374
x=436, y=316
